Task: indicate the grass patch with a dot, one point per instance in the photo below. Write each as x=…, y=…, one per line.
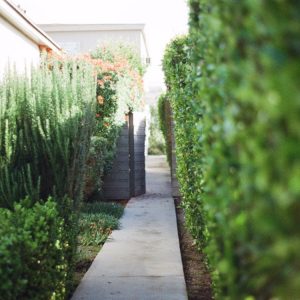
x=95, y=228
x=97, y=220
x=112, y=209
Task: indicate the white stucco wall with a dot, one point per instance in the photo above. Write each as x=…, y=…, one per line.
x=16, y=48
x=84, y=41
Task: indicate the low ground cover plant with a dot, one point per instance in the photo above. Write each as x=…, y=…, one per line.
x=96, y=222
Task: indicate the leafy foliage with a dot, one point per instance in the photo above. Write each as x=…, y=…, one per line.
x=95, y=228
x=54, y=121
x=156, y=139
x=97, y=220
x=117, y=52
x=46, y=122
x=119, y=91
x=164, y=114
x=112, y=209
x=33, y=263
x=234, y=91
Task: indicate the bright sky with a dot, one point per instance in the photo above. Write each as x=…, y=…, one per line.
x=164, y=19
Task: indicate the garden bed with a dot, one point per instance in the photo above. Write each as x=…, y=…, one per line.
x=96, y=223
x=197, y=278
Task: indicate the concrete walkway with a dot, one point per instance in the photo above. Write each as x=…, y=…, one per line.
x=142, y=260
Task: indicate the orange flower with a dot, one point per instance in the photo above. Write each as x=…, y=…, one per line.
x=100, y=83
x=100, y=99
x=98, y=115
x=107, y=77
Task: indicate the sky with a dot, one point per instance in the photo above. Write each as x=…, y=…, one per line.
x=164, y=19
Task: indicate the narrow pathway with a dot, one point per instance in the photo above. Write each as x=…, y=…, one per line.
x=141, y=261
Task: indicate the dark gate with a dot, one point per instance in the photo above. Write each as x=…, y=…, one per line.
x=127, y=176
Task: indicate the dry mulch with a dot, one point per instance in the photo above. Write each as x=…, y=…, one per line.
x=197, y=277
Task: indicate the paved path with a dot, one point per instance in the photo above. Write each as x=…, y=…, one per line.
x=141, y=261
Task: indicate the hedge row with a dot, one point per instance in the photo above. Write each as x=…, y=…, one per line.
x=233, y=84
x=164, y=114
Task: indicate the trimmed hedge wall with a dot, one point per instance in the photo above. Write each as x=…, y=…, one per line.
x=164, y=114
x=235, y=94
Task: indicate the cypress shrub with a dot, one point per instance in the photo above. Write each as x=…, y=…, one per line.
x=237, y=118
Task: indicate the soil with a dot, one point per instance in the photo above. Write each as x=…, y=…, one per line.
x=196, y=274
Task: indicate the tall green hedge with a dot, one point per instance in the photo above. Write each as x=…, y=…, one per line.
x=164, y=114
x=235, y=96
x=177, y=69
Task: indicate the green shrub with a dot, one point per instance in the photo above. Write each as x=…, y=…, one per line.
x=32, y=252
x=177, y=69
x=114, y=52
x=119, y=91
x=97, y=164
x=156, y=139
x=46, y=122
x=164, y=114
x=237, y=119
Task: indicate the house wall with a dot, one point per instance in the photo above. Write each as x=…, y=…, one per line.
x=75, y=42
x=16, y=48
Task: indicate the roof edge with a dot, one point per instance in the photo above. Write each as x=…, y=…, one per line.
x=13, y=15
x=91, y=27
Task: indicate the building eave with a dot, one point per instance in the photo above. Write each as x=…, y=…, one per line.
x=91, y=27
x=13, y=15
